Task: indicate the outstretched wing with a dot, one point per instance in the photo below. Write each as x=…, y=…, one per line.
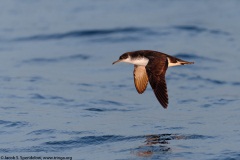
x=140, y=78
x=156, y=70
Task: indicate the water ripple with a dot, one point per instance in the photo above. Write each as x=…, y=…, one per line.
x=236, y=83
x=229, y=155
x=197, y=29
x=89, y=140
x=36, y=79
x=57, y=59
x=53, y=131
x=208, y=80
x=84, y=33
x=163, y=137
x=107, y=102
x=16, y=124
x=106, y=109
x=42, y=131
x=41, y=97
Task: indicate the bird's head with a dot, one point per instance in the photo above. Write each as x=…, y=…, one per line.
x=123, y=58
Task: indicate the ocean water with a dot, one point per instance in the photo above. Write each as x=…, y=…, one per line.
x=61, y=97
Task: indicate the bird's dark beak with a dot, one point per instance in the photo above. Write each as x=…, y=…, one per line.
x=116, y=61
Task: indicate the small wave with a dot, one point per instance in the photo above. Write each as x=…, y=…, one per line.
x=41, y=97
x=37, y=96
x=95, y=109
x=223, y=101
x=117, y=39
x=57, y=59
x=53, y=131
x=190, y=28
x=35, y=79
x=52, y=100
x=89, y=140
x=187, y=101
x=59, y=146
x=229, y=155
x=107, y=102
x=103, y=106
x=216, y=102
x=175, y=128
x=5, y=78
x=17, y=124
x=208, y=80
x=75, y=132
x=27, y=149
x=8, y=107
x=85, y=84
x=163, y=137
x=106, y=109
x=42, y=131
x=197, y=29
x=84, y=33
x=236, y=83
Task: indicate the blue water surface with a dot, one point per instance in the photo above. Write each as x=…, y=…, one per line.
x=62, y=98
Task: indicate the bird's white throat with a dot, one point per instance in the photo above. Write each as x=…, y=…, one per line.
x=136, y=61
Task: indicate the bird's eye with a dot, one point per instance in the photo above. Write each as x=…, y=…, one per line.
x=123, y=56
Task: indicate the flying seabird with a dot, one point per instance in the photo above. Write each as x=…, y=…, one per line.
x=151, y=66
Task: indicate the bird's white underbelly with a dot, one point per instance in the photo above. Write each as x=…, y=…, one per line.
x=141, y=62
x=137, y=61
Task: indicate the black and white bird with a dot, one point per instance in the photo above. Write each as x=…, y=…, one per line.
x=151, y=66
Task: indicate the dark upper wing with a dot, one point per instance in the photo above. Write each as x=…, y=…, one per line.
x=140, y=78
x=156, y=70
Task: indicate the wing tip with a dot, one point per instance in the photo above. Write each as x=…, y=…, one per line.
x=165, y=107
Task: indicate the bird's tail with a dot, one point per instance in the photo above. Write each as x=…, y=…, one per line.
x=173, y=61
x=184, y=62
